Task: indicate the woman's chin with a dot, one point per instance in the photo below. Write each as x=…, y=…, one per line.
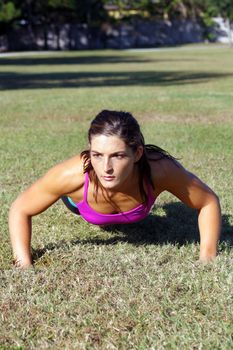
x=113, y=184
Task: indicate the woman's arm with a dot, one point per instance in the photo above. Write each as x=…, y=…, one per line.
x=31, y=202
x=209, y=220
x=36, y=199
x=193, y=192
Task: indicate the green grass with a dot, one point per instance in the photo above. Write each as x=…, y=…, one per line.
x=128, y=287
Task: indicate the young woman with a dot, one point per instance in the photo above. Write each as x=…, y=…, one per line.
x=116, y=181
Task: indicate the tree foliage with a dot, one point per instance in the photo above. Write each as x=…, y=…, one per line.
x=163, y=9
x=94, y=12
x=223, y=8
x=8, y=14
x=8, y=11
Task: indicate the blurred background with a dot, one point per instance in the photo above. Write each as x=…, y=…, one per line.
x=115, y=24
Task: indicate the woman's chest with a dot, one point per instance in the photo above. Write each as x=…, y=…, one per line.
x=105, y=203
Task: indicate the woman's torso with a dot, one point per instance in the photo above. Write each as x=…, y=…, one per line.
x=120, y=201
x=116, y=203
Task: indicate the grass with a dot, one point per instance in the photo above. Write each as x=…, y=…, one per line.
x=127, y=287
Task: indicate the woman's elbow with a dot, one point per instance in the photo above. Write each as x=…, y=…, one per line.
x=215, y=200
x=211, y=198
x=18, y=208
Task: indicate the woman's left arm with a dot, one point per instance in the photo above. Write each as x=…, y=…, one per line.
x=193, y=192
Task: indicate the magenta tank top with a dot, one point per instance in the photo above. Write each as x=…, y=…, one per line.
x=130, y=216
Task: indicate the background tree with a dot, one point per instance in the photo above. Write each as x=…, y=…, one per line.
x=224, y=9
x=162, y=9
x=93, y=13
x=8, y=13
x=58, y=13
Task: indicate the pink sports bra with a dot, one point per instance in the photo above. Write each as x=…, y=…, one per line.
x=130, y=216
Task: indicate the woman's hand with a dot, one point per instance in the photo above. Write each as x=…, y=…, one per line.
x=22, y=264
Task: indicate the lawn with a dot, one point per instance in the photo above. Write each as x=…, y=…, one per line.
x=126, y=287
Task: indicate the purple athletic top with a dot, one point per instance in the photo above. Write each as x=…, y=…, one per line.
x=130, y=216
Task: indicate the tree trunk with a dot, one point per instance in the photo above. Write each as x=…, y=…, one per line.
x=45, y=32
x=32, y=44
x=228, y=25
x=57, y=31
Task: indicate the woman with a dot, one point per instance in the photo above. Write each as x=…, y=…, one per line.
x=116, y=181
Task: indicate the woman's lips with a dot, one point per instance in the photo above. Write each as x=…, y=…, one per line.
x=108, y=178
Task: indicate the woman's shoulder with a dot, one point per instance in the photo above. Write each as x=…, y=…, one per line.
x=67, y=175
x=162, y=170
x=160, y=164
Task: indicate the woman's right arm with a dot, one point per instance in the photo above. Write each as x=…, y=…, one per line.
x=36, y=199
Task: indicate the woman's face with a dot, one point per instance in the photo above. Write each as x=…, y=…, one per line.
x=113, y=161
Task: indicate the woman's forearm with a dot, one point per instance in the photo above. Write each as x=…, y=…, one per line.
x=209, y=221
x=20, y=234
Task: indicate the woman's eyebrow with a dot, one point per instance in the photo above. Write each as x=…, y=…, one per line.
x=111, y=154
x=93, y=151
x=118, y=152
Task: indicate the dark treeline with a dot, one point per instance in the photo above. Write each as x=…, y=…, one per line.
x=29, y=14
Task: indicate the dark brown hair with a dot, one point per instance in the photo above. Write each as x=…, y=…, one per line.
x=126, y=127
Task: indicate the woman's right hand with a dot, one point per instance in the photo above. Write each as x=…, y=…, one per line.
x=22, y=263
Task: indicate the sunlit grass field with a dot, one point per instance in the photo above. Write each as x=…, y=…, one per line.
x=127, y=287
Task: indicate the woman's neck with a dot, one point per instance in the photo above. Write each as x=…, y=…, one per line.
x=126, y=188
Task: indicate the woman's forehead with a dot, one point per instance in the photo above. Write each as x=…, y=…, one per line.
x=105, y=143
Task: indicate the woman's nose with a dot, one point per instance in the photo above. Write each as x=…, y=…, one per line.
x=107, y=165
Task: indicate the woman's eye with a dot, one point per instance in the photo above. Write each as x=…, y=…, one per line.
x=96, y=155
x=119, y=156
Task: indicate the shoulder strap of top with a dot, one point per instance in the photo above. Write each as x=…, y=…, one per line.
x=85, y=187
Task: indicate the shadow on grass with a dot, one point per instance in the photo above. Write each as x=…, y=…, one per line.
x=14, y=80
x=85, y=59
x=178, y=227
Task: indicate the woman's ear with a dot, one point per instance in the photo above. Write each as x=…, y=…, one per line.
x=138, y=153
